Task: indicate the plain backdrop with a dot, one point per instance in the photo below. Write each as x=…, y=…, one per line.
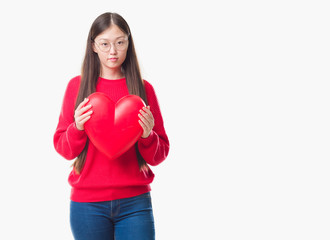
x=244, y=91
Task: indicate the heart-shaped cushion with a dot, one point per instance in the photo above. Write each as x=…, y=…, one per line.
x=113, y=127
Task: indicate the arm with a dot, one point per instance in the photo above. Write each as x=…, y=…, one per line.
x=154, y=149
x=68, y=140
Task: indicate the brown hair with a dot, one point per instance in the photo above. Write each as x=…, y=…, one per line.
x=91, y=68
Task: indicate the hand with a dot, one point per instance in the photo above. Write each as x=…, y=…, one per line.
x=146, y=121
x=81, y=115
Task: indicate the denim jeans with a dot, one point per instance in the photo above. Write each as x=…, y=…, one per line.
x=123, y=219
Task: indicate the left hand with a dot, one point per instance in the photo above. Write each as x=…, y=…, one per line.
x=146, y=121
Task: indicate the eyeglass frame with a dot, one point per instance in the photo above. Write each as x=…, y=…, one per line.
x=98, y=45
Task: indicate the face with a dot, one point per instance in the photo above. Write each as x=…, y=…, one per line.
x=111, y=47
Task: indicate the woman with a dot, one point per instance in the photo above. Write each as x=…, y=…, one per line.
x=110, y=199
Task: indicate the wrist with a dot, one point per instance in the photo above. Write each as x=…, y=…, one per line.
x=75, y=125
x=146, y=136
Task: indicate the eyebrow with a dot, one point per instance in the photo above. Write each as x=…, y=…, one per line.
x=115, y=38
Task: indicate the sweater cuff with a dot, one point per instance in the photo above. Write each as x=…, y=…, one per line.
x=147, y=141
x=75, y=132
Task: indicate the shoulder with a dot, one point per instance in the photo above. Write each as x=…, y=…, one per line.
x=74, y=82
x=148, y=87
x=72, y=88
x=150, y=92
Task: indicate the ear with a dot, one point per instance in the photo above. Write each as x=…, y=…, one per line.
x=94, y=47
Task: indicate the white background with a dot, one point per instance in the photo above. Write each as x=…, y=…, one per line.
x=244, y=91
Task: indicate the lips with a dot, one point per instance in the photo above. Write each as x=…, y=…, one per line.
x=112, y=59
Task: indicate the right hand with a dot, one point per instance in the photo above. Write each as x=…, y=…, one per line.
x=81, y=115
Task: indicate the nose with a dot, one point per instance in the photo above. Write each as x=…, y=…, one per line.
x=113, y=50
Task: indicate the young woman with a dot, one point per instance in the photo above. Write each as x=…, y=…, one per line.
x=110, y=199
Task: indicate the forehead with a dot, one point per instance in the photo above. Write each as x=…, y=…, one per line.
x=111, y=33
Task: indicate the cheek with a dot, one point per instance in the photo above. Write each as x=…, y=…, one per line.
x=122, y=57
x=102, y=56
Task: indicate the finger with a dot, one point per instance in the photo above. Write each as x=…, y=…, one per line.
x=79, y=118
x=82, y=103
x=83, y=110
x=149, y=118
x=147, y=114
x=146, y=130
x=144, y=127
x=147, y=110
x=146, y=124
x=82, y=122
x=146, y=120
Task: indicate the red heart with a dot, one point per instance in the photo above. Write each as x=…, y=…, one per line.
x=114, y=128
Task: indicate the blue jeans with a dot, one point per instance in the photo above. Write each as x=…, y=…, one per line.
x=122, y=219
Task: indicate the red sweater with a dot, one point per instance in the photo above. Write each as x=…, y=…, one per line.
x=100, y=178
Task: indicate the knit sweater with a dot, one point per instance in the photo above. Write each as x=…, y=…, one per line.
x=102, y=179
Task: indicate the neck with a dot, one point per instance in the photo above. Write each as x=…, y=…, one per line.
x=111, y=73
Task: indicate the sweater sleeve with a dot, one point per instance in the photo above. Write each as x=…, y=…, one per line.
x=68, y=140
x=154, y=149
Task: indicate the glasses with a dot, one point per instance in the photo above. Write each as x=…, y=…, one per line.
x=105, y=45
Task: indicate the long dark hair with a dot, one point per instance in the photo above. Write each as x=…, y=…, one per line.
x=91, y=68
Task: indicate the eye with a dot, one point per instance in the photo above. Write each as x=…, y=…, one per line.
x=104, y=44
x=120, y=42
